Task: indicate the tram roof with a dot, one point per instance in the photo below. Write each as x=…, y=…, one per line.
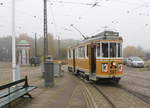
x=106, y=35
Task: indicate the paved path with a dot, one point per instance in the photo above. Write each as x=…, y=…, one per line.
x=67, y=93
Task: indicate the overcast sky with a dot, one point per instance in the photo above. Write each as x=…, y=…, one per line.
x=129, y=17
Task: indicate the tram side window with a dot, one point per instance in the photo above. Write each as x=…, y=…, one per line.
x=113, y=50
x=98, y=50
x=69, y=53
x=105, y=49
x=119, y=50
x=76, y=53
x=87, y=52
x=81, y=52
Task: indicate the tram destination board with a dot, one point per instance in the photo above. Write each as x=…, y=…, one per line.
x=111, y=33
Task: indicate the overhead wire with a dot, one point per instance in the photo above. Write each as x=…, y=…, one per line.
x=54, y=21
x=115, y=21
x=125, y=2
x=75, y=3
x=78, y=3
x=140, y=6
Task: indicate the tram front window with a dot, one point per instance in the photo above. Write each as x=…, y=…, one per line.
x=113, y=50
x=105, y=49
x=119, y=50
x=98, y=50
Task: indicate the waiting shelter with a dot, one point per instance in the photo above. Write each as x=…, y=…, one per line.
x=23, y=52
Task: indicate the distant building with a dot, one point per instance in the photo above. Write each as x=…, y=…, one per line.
x=23, y=52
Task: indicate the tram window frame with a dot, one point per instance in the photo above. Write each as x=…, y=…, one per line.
x=106, y=51
x=87, y=51
x=69, y=53
x=81, y=52
x=119, y=49
x=113, y=50
x=76, y=52
x=98, y=50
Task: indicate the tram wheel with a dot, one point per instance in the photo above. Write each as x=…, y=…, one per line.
x=87, y=77
x=117, y=80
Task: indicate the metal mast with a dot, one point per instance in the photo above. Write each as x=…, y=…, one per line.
x=13, y=42
x=35, y=46
x=59, y=47
x=45, y=31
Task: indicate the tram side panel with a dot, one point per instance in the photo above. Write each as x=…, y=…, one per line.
x=70, y=64
x=82, y=65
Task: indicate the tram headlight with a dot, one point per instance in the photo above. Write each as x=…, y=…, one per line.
x=104, y=67
x=114, y=63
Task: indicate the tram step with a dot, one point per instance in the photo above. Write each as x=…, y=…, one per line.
x=92, y=77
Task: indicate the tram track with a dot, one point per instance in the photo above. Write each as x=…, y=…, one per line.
x=139, y=77
x=100, y=91
x=117, y=96
x=136, y=94
x=90, y=98
x=122, y=98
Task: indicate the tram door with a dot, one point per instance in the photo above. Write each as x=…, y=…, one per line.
x=92, y=58
x=74, y=62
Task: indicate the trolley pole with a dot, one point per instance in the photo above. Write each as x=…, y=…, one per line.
x=45, y=31
x=13, y=43
x=78, y=31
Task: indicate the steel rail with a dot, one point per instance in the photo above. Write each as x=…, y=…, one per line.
x=113, y=106
x=100, y=91
x=146, y=99
x=89, y=98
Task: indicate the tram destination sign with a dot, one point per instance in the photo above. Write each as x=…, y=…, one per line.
x=111, y=33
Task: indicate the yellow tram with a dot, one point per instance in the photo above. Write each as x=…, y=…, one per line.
x=98, y=57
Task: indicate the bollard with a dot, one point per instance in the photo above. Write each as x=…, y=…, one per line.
x=49, y=74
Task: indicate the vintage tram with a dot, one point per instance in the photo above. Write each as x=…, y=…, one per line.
x=98, y=57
